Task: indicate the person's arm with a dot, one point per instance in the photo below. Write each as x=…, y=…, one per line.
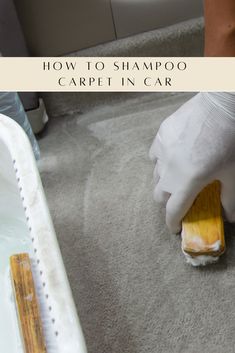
x=219, y=27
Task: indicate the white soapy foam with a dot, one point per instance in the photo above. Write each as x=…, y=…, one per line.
x=216, y=245
x=201, y=260
x=199, y=243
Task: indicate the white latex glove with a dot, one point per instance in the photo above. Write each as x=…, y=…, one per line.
x=193, y=147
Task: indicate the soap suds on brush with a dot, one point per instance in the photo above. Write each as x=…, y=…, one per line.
x=201, y=260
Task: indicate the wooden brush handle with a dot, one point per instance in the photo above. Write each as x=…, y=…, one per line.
x=27, y=304
x=202, y=227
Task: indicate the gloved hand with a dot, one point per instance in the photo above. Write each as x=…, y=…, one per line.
x=193, y=147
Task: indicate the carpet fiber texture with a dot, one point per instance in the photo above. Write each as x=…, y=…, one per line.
x=132, y=287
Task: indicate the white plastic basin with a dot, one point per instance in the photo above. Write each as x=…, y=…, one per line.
x=26, y=226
